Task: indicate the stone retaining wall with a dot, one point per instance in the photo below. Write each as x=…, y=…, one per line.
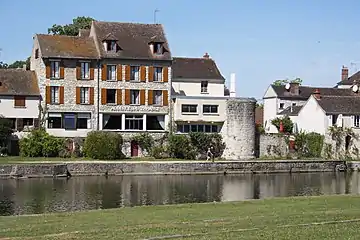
x=144, y=168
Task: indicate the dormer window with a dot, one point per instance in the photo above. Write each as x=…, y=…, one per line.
x=158, y=48
x=110, y=46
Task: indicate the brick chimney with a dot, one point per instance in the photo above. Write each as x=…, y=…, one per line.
x=206, y=55
x=344, y=73
x=316, y=94
x=294, y=88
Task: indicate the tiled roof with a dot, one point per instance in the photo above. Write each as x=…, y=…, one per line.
x=18, y=82
x=84, y=32
x=59, y=46
x=340, y=104
x=350, y=80
x=195, y=68
x=132, y=38
x=291, y=111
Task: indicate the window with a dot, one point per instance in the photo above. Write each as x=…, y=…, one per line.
x=189, y=108
x=85, y=70
x=36, y=53
x=111, y=46
x=134, y=73
x=54, y=120
x=158, y=48
x=28, y=122
x=84, y=95
x=293, y=104
x=207, y=128
x=111, y=72
x=54, y=90
x=356, y=121
x=133, y=122
x=210, y=108
x=134, y=97
x=69, y=121
x=55, y=69
x=82, y=120
x=157, y=97
x=334, y=119
x=110, y=96
x=19, y=101
x=158, y=74
x=112, y=121
x=204, y=86
x=281, y=106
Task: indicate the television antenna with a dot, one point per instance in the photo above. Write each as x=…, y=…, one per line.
x=155, y=11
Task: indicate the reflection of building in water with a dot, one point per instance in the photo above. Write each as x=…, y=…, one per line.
x=236, y=188
x=354, y=183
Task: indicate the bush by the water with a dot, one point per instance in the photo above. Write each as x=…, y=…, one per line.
x=103, y=145
x=309, y=144
x=180, y=147
x=40, y=144
x=203, y=141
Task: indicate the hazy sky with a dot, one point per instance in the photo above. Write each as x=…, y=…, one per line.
x=260, y=41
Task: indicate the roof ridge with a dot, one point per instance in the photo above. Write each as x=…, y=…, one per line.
x=135, y=23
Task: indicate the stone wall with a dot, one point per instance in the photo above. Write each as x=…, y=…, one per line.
x=272, y=146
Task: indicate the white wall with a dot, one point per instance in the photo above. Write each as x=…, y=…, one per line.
x=193, y=88
x=7, y=109
x=312, y=117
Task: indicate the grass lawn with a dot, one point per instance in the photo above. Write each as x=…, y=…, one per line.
x=258, y=219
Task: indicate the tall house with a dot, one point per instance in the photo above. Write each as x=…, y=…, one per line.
x=198, y=93
x=114, y=76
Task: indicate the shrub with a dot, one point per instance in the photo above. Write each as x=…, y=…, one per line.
x=309, y=144
x=159, y=152
x=40, y=144
x=103, y=145
x=287, y=124
x=203, y=141
x=180, y=147
x=5, y=131
x=144, y=140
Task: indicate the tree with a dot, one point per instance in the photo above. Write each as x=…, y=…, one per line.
x=73, y=28
x=286, y=121
x=281, y=82
x=17, y=64
x=3, y=65
x=5, y=132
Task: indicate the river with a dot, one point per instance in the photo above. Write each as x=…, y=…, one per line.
x=44, y=195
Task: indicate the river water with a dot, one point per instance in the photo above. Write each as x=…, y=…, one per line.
x=33, y=196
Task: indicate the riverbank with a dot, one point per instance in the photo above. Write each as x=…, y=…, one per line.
x=107, y=168
x=325, y=217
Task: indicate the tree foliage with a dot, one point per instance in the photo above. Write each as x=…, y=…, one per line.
x=287, y=123
x=73, y=28
x=180, y=147
x=203, y=141
x=5, y=131
x=281, y=82
x=103, y=145
x=16, y=64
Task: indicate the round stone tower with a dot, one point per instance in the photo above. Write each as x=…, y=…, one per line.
x=238, y=131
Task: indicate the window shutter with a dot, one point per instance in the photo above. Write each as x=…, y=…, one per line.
x=165, y=74
x=103, y=96
x=103, y=73
x=119, y=72
x=48, y=95
x=91, y=96
x=61, y=93
x=127, y=96
x=48, y=70
x=127, y=73
x=143, y=74
x=165, y=98
x=142, y=97
x=62, y=70
x=119, y=96
x=19, y=101
x=92, y=71
x=150, y=97
x=78, y=95
x=151, y=74
x=78, y=70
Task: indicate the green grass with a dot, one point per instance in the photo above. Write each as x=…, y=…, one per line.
x=258, y=219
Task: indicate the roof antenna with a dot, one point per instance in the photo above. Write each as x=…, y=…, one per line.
x=156, y=10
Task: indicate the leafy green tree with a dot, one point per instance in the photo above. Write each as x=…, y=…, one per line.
x=285, y=81
x=73, y=28
x=5, y=133
x=286, y=121
x=3, y=65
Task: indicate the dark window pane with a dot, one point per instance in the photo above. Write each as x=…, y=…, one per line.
x=69, y=121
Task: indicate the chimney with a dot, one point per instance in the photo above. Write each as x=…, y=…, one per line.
x=24, y=67
x=316, y=94
x=294, y=88
x=206, y=55
x=232, y=85
x=344, y=73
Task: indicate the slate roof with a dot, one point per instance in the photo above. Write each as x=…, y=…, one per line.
x=305, y=92
x=59, y=46
x=291, y=112
x=340, y=104
x=195, y=68
x=133, y=39
x=350, y=80
x=18, y=82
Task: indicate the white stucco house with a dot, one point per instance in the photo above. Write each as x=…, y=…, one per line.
x=19, y=98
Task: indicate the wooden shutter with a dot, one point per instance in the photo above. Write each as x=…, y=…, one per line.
x=48, y=95
x=78, y=95
x=91, y=96
x=119, y=96
x=165, y=98
x=48, y=69
x=165, y=74
x=119, y=72
x=143, y=74
x=142, y=97
x=19, y=101
x=61, y=94
x=151, y=74
x=127, y=96
x=103, y=73
x=103, y=96
x=62, y=70
x=127, y=73
x=92, y=66
x=78, y=70
x=150, y=97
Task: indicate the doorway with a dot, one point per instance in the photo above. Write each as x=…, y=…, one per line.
x=134, y=149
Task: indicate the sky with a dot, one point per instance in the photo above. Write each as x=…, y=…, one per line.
x=258, y=40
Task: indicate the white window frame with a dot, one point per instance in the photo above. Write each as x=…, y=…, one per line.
x=84, y=95
x=157, y=97
x=203, y=126
x=85, y=70
x=133, y=118
x=189, y=107
x=55, y=69
x=210, y=108
x=356, y=122
x=111, y=72
x=158, y=74
x=134, y=97
x=55, y=94
x=135, y=73
x=204, y=86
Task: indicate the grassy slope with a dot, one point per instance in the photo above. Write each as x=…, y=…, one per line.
x=210, y=221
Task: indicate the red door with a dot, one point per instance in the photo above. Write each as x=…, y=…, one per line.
x=134, y=149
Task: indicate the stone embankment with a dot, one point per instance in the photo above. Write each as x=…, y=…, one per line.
x=107, y=168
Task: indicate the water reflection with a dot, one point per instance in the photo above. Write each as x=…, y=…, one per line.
x=31, y=196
